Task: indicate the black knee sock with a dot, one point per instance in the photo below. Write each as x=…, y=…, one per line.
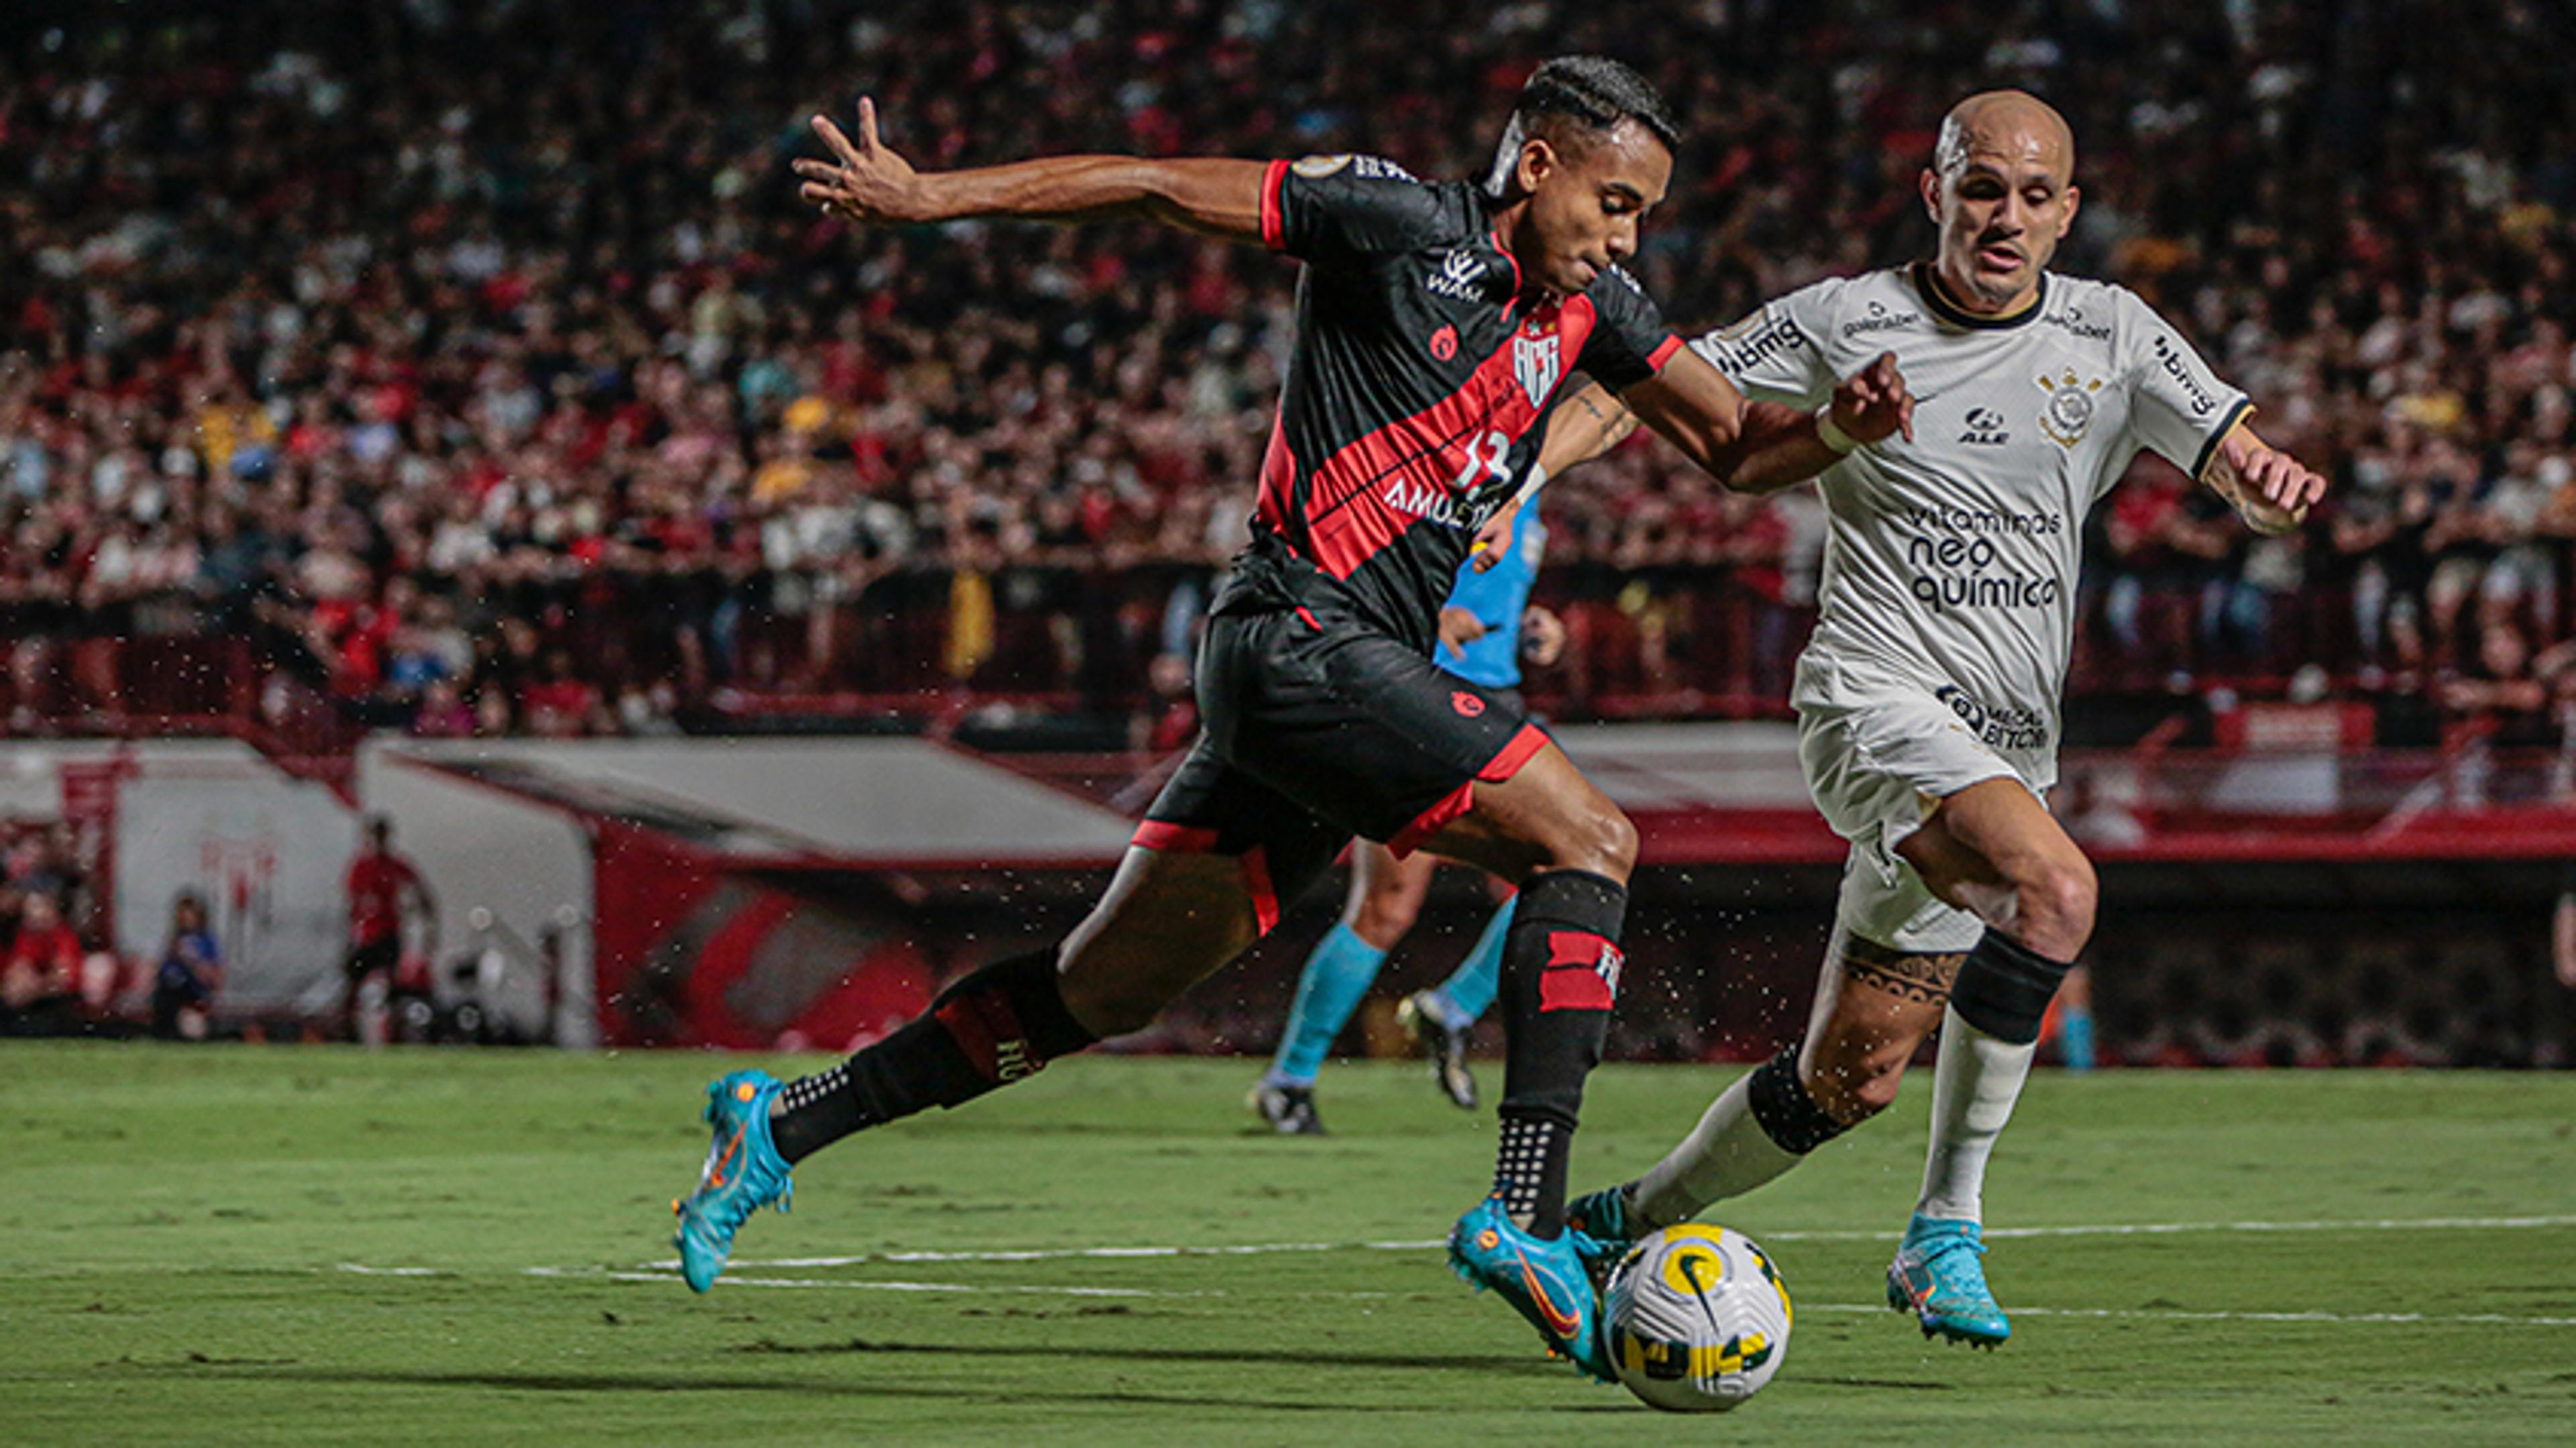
x=992, y=1027
x=1783, y=1108
x=1560, y=975
x=2005, y=986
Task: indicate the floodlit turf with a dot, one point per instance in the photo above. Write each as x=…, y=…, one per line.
x=283, y=1245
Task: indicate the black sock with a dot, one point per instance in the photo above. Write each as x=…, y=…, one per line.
x=1784, y=1109
x=1529, y=1168
x=2004, y=987
x=996, y=1025
x=1561, y=967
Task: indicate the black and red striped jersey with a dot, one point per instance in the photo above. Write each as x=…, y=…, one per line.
x=1417, y=380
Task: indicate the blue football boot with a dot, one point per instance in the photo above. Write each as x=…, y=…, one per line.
x=743, y=1172
x=1544, y=1281
x=1937, y=1277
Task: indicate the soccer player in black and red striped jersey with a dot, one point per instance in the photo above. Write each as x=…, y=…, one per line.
x=1436, y=323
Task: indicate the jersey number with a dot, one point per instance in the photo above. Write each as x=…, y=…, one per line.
x=1484, y=456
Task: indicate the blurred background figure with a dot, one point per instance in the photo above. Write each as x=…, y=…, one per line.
x=191, y=971
x=388, y=905
x=40, y=983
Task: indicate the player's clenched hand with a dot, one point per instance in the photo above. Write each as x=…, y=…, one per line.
x=1493, y=538
x=1872, y=404
x=864, y=182
x=1459, y=628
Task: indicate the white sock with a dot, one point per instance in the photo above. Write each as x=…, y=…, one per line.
x=1975, y=1082
x=1726, y=1155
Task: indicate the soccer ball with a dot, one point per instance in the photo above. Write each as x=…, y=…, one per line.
x=1697, y=1320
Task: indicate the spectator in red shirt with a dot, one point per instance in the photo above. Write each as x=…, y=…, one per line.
x=40, y=982
x=381, y=885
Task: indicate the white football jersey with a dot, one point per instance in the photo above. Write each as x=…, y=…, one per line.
x=1951, y=560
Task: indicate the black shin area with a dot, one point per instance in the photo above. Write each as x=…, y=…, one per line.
x=1784, y=1110
x=990, y=1028
x=2005, y=986
x=1560, y=976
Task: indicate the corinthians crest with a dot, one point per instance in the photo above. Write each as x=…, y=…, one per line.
x=1536, y=362
x=2070, y=407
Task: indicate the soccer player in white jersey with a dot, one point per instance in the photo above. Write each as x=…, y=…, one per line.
x=1928, y=699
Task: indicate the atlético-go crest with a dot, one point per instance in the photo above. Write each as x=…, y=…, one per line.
x=1535, y=361
x=2070, y=407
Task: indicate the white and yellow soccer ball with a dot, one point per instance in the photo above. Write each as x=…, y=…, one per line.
x=1697, y=1318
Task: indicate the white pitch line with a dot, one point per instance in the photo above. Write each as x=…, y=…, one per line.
x=2113, y=1229
x=366, y=1271
x=1055, y=1254
x=2423, y=1319
x=2158, y=1229
x=848, y=1285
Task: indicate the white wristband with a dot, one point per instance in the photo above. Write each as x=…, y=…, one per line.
x=1839, y=441
x=1534, y=480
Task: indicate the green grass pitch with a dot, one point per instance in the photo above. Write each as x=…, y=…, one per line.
x=280, y=1245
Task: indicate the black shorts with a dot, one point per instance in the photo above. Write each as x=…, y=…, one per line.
x=375, y=955
x=1318, y=729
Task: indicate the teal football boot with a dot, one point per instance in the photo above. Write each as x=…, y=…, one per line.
x=1544, y=1281
x=1937, y=1277
x=744, y=1172
x=1606, y=1225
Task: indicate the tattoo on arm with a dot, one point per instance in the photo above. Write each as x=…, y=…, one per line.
x=1926, y=978
x=1611, y=423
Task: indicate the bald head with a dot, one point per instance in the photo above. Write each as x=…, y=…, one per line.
x=2005, y=125
x=2002, y=189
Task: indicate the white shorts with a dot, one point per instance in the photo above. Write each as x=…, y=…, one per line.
x=1876, y=769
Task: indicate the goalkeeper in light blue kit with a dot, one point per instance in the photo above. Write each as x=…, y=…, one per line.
x=1483, y=638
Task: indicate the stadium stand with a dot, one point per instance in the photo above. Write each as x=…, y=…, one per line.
x=470, y=371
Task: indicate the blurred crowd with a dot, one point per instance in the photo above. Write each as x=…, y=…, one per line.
x=470, y=364
x=51, y=981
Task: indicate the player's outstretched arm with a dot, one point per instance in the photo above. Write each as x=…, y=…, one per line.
x=1583, y=427
x=1751, y=447
x=1771, y=446
x=2269, y=489
x=864, y=182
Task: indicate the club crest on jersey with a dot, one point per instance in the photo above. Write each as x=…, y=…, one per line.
x=1465, y=703
x=1444, y=344
x=2070, y=407
x=1537, y=362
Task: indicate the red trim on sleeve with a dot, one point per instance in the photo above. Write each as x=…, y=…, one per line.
x=1274, y=222
x=1160, y=835
x=1507, y=761
x=1656, y=359
x=1433, y=820
x=1256, y=883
